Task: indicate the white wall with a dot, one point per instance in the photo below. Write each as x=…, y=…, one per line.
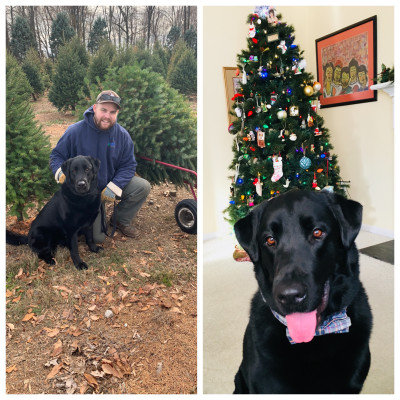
x=362, y=134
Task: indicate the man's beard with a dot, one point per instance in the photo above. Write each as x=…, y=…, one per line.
x=98, y=123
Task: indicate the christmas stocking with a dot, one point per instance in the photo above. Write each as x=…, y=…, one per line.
x=277, y=164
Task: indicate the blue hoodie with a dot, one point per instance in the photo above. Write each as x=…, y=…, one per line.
x=113, y=147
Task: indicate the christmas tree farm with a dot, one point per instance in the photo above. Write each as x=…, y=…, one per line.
x=280, y=140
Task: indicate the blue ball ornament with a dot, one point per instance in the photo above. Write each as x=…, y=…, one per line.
x=305, y=162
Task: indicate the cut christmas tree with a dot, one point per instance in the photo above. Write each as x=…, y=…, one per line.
x=280, y=140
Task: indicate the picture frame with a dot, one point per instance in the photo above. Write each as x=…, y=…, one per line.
x=232, y=87
x=347, y=64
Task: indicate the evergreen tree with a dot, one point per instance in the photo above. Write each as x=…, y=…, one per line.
x=22, y=38
x=68, y=79
x=183, y=75
x=159, y=119
x=185, y=80
x=173, y=36
x=32, y=68
x=28, y=175
x=160, y=59
x=77, y=47
x=190, y=37
x=101, y=62
x=97, y=34
x=280, y=140
x=61, y=32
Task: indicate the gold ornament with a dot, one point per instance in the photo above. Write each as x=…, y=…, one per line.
x=308, y=90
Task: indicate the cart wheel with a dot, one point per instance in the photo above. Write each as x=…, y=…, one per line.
x=186, y=215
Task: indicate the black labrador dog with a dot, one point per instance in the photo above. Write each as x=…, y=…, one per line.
x=69, y=213
x=310, y=321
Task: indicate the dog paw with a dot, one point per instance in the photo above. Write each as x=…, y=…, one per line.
x=82, y=265
x=96, y=249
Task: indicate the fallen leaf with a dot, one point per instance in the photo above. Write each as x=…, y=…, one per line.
x=63, y=288
x=52, y=332
x=108, y=369
x=91, y=380
x=176, y=310
x=57, y=349
x=109, y=297
x=28, y=317
x=144, y=274
x=9, y=293
x=11, y=369
x=92, y=308
x=56, y=369
x=17, y=299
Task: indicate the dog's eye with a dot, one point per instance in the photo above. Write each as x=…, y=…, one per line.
x=270, y=241
x=318, y=233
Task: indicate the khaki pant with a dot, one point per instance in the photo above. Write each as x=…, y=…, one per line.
x=133, y=196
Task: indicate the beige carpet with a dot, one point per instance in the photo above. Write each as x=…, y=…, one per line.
x=228, y=287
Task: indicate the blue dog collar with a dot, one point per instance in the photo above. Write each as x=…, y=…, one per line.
x=338, y=322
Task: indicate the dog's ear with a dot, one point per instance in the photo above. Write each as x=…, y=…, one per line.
x=65, y=167
x=245, y=231
x=349, y=215
x=96, y=163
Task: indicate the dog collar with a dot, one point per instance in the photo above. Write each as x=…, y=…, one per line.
x=338, y=322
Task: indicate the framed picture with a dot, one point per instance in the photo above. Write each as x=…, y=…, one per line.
x=346, y=64
x=232, y=86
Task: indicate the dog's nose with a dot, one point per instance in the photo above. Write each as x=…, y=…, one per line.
x=292, y=294
x=82, y=184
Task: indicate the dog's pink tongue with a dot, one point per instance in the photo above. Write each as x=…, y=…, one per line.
x=302, y=326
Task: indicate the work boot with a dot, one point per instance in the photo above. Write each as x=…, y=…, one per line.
x=128, y=230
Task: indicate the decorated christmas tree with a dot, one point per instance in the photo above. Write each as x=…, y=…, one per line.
x=280, y=140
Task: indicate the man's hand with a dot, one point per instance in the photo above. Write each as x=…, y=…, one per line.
x=60, y=178
x=107, y=194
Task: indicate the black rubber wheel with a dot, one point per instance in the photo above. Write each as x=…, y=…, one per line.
x=186, y=215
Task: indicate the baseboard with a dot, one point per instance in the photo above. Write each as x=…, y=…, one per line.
x=378, y=231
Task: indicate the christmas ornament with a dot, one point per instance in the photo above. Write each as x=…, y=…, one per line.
x=258, y=185
x=258, y=109
x=294, y=111
x=250, y=201
x=314, y=184
x=310, y=121
x=277, y=164
x=316, y=86
x=305, y=162
x=244, y=77
x=252, y=30
x=262, y=11
x=240, y=255
x=328, y=189
x=261, y=138
x=308, y=90
x=281, y=114
x=251, y=136
x=282, y=46
x=238, y=111
x=286, y=185
x=293, y=137
x=274, y=98
x=317, y=132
